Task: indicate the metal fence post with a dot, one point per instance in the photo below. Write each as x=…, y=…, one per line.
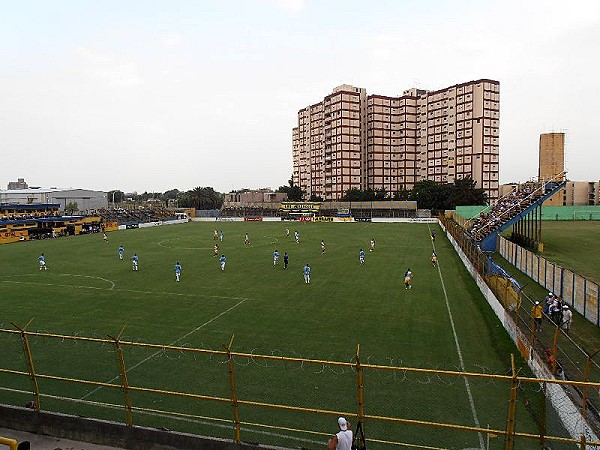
x=29, y=356
x=586, y=374
x=234, y=402
x=543, y=416
x=360, y=396
x=512, y=406
x=124, y=381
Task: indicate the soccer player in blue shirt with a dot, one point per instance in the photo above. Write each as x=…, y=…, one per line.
x=285, y=260
x=222, y=260
x=307, y=274
x=42, y=261
x=121, y=252
x=177, y=270
x=134, y=261
x=275, y=257
x=361, y=256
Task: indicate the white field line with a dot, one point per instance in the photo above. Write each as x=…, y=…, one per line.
x=458, y=350
x=161, y=244
x=112, y=283
x=93, y=391
x=133, y=291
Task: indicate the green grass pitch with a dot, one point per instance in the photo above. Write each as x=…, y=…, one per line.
x=574, y=245
x=88, y=291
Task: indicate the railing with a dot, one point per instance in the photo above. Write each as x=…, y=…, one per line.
x=565, y=359
x=277, y=399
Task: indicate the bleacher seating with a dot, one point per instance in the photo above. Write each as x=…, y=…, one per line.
x=511, y=208
x=135, y=215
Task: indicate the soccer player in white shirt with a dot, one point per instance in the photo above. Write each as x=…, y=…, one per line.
x=275, y=257
x=222, y=260
x=408, y=279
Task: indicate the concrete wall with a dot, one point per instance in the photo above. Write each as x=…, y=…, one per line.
x=109, y=433
x=568, y=412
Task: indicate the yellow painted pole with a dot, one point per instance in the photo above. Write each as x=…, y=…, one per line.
x=12, y=444
x=234, y=400
x=543, y=417
x=512, y=406
x=29, y=356
x=124, y=381
x=360, y=395
x=532, y=337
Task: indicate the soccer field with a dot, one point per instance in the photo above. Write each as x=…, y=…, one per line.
x=443, y=322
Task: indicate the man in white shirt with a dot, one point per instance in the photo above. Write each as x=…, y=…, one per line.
x=343, y=439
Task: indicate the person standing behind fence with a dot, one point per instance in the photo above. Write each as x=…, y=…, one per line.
x=342, y=440
x=548, y=303
x=556, y=311
x=536, y=313
x=567, y=319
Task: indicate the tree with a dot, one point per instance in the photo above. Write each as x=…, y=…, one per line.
x=464, y=192
x=170, y=194
x=115, y=196
x=368, y=195
x=315, y=198
x=402, y=194
x=201, y=198
x=294, y=193
x=429, y=195
x=71, y=208
x=353, y=195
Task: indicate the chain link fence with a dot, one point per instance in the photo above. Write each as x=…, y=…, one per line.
x=284, y=400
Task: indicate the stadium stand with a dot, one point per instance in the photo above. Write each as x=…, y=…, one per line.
x=40, y=221
x=124, y=216
x=510, y=209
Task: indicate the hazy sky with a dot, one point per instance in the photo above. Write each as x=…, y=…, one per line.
x=154, y=95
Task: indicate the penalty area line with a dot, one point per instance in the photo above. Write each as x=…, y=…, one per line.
x=208, y=322
x=458, y=350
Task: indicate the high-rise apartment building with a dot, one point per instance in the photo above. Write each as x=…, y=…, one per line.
x=379, y=142
x=552, y=162
x=329, y=144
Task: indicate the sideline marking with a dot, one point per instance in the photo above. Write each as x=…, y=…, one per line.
x=93, y=391
x=458, y=350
